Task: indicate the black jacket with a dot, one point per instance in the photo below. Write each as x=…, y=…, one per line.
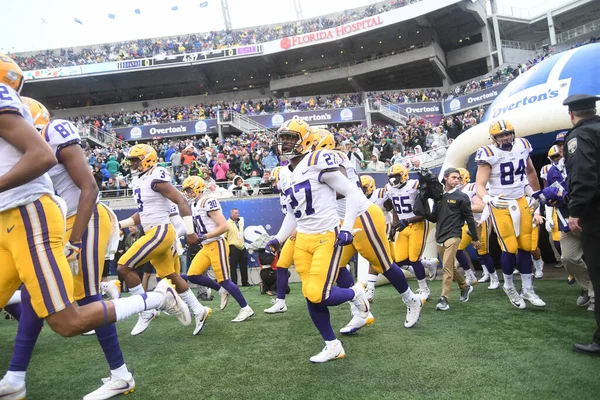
x=582, y=159
x=451, y=213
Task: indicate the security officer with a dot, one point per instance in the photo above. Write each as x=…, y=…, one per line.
x=582, y=149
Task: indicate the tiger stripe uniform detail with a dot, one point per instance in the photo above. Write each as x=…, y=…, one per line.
x=544, y=171
x=32, y=252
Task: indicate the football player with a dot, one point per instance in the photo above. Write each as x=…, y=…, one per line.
x=552, y=225
x=411, y=229
x=370, y=241
x=286, y=256
x=506, y=166
x=486, y=260
x=310, y=194
x=536, y=253
x=32, y=251
x=210, y=225
x=154, y=193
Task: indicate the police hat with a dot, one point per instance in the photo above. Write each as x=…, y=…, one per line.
x=578, y=102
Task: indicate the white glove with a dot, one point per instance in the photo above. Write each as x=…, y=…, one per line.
x=549, y=224
x=72, y=250
x=535, y=204
x=497, y=201
x=74, y=265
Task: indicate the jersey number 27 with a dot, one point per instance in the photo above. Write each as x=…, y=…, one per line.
x=293, y=201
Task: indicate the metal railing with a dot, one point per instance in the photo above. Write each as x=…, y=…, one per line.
x=392, y=110
x=571, y=34
x=89, y=131
x=513, y=44
x=435, y=159
x=241, y=122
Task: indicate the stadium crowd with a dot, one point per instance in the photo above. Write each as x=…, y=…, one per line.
x=194, y=42
x=252, y=157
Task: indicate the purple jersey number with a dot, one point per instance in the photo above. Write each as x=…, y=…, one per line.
x=289, y=192
x=137, y=193
x=401, y=205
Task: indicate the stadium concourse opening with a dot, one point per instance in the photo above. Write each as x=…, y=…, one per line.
x=294, y=145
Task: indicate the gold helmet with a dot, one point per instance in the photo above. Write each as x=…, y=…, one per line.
x=192, y=187
x=10, y=73
x=38, y=111
x=275, y=175
x=554, y=154
x=294, y=138
x=142, y=157
x=465, y=176
x=502, y=133
x=397, y=175
x=323, y=139
x=368, y=184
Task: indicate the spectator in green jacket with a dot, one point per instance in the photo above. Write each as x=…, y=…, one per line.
x=113, y=166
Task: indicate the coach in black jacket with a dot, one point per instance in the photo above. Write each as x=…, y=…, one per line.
x=451, y=213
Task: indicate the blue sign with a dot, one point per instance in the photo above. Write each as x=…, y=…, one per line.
x=472, y=100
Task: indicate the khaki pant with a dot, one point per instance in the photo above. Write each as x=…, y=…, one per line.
x=572, y=258
x=448, y=254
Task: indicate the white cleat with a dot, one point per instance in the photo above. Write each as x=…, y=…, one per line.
x=224, y=299
x=431, y=265
x=243, y=315
x=173, y=304
x=111, y=387
x=356, y=323
x=532, y=297
x=370, y=292
x=332, y=351
x=111, y=289
x=9, y=392
x=515, y=298
x=360, y=300
x=484, y=278
x=470, y=278
x=145, y=317
x=201, y=319
x=277, y=307
x=413, y=311
x=494, y=283
x=89, y=333
x=424, y=294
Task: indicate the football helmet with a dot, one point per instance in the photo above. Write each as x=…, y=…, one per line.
x=323, y=139
x=397, y=175
x=142, y=157
x=367, y=183
x=192, y=187
x=38, y=111
x=10, y=73
x=275, y=175
x=502, y=133
x=465, y=176
x=294, y=138
x=554, y=154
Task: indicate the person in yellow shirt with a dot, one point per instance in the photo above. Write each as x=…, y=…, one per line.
x=238, y=255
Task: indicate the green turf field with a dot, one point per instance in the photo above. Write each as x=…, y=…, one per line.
x=483, y=349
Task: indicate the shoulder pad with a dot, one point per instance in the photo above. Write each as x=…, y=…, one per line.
x=10, y=102
x=413, y=184
x=323, y=160
x=525, y=144
x=210, y=204
x=160, y=174
x=382, y=193
x=485, y=154
x=60, y=133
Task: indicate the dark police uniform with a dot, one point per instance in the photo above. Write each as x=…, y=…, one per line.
x=582, y=159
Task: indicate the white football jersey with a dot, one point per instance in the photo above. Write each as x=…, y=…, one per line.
x=508, y=176
x=311, y=201
x=352, y=175
x=544, y=171
x=153, y=207
x=471, y=191
x=176, y=220
x=403, y=199
x=378, y=197
x=10, y=103
x=284, y=175
x=60, y=134
x=203, y=223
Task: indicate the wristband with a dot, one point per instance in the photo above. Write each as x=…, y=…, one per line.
x=188, y=221
x=126, y=223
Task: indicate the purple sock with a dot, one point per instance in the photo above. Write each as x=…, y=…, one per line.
x=524, y=262
x=419, y=269
x=488, y=261
x=204, y=280
x=557, y=247
x=107, y=337
x=235, y=292
x=396, y=278
x=14, y=310
x=463, y=260
x=338, y=296
x=28, y=331
x=282, y=282
x=345, y=279
x=319, y=313
x=508, y=262
x=403, y=262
